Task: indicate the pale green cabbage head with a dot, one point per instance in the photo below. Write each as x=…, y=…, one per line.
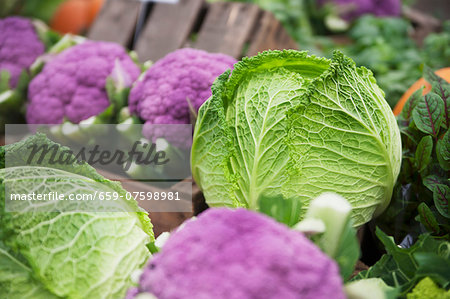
x=89, y=252
x=285, y=123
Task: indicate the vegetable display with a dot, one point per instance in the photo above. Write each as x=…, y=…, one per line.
x=285, y=123
x=228, y=253
x=175, y=85
x=68, y=254
x=73, y=85
x=310, y=186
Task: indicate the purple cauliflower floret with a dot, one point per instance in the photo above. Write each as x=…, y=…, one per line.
x=161, y=97
x=19, y=46
x=72, y=85
x=239, y=254
x=356, y=8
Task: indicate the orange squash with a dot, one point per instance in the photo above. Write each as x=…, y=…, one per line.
x=75, y=16
x=444, y=73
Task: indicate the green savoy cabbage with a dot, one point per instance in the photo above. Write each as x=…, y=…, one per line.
x=87, y=252
x=285, y=124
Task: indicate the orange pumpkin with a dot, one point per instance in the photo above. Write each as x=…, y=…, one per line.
x=443, y=73
x=75, y=16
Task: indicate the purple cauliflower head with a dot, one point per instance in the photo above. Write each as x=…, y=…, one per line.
x=356, y=8
x=19, y=46
x=72, y=85
x=239, y=254
x=161, y=97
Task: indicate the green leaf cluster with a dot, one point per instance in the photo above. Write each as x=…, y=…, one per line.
x=421, y=195
x=403, y=268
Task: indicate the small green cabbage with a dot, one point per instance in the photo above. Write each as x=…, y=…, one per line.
x=88, y=252
x=285, y=123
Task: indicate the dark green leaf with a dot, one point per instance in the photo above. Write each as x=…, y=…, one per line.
x=411, y=104
x=445, y=164
x=427, y=218
x=283, y=210
x=441, y=195
x=429, y=113
x=434, y=266
x=430, y=76
x=442, y=88
x=443, y=151
x=412, y=133
x=423, y=152
x=431, y=181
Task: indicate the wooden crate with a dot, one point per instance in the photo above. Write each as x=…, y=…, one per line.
x=236, y=29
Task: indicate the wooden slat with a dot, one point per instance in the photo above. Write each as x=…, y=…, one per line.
x=167, y=28
x=167, y=221
x=270, y=35
x=227, y=27
x=115, y=22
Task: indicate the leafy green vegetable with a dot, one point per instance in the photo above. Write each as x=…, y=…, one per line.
x=429, y=113
x=423, y=152
x=88, y=252
x=296, y=125
x=421, y=195
x=426, y=217
x=404, y=267
x=426, y=288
